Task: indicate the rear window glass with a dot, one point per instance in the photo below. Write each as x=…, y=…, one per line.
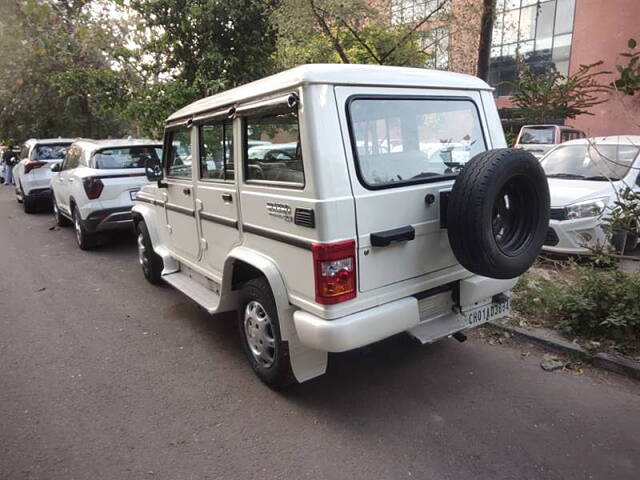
x=537, y=136
x=50, y=152
x=125, y=157
x=400, y=141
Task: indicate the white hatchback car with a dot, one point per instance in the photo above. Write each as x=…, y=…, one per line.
x=94, y=187
x=584, y=176
x=33, y=171
x=388, y=204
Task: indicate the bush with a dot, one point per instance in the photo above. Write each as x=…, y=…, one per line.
x=602, y=302
x=582, y=300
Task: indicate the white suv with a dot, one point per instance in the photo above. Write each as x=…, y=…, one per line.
x=94, y=187
x=388, y=204
x=33, y=171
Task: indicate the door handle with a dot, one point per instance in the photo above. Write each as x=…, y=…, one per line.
x=227, y=197
x=384, y=239
x=70, y=180
x=186, y=191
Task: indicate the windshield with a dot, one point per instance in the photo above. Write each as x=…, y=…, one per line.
x=537, y=136
x=400, y=141
x=126, y=157
x=590, y=162
x=50, y=152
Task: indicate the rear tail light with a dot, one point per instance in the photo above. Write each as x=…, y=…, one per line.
x=334, y=267
x=93, y=187
x=31, y=164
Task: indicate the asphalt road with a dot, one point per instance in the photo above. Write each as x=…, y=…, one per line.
x=104, y=376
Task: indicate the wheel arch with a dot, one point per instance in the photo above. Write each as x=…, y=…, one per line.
x=306, y=363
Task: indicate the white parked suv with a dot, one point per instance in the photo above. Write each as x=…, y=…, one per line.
x=388, y=204
x=94, y=187
x=33, y=171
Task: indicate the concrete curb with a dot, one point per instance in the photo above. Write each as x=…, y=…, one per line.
x=613, y=363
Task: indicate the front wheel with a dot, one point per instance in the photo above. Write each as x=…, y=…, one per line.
x=267, y=353
x=61, y=220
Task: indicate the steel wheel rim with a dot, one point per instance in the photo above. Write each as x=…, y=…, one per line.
x=259, y=334
x=142, y=253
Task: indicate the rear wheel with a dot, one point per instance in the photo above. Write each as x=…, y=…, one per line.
x=258, y=321
x=84, y=239
x=149, y=260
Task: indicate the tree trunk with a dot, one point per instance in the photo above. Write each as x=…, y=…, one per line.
x=486, y=32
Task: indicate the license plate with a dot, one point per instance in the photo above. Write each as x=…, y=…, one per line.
x=133, y=193
x=487, y=313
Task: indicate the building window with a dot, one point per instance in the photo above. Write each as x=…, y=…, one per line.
x=407, y=11
x=533, y=34
x=435, y=43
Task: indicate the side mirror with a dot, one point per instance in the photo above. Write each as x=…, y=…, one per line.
x=152, y=169
x=57, y=167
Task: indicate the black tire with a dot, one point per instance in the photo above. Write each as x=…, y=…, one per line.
x=278, y=373
x=61, y=220
x=29, y=204
x=84, y=239
x=149, y=260
x=498, y=213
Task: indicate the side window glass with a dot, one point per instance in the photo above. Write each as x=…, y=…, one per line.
x=179, y=154
x=272, y=148
x=216, y=151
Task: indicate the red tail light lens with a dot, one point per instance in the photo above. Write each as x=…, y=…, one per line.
x=93, y=187
x=31, y=164
x=334, y=266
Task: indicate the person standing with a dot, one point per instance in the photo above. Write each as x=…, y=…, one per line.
x=8, y=159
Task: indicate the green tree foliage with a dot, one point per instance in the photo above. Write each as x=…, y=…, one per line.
x=628, y=80
x=348, y=31
x=57, y=73
x=552, y=96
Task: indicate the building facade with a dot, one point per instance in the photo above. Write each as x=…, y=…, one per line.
x=538, y=35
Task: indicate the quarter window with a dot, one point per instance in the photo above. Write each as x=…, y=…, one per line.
x=403, y=141
x=179, y=154
x=216, y=151
x=272, y=148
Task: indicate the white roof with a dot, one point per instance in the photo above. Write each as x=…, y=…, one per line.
x=336, y=74
x=611, y=140
x=92, y=145
x=49, y=141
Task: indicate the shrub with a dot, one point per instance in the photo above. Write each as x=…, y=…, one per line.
x=602, y=302
x=583, y=300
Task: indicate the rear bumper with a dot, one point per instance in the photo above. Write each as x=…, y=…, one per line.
x=426, y=319
x=109, y=219
x=39, y=193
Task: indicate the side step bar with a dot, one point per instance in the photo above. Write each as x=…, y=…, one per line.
x=200, y=294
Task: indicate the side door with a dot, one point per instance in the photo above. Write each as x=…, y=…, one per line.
x=217, y=199
x=404, y=150
x=179, y=201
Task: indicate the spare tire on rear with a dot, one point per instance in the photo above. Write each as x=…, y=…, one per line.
x=498, y=213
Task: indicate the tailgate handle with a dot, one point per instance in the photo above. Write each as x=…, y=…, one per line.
x=384, y=239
